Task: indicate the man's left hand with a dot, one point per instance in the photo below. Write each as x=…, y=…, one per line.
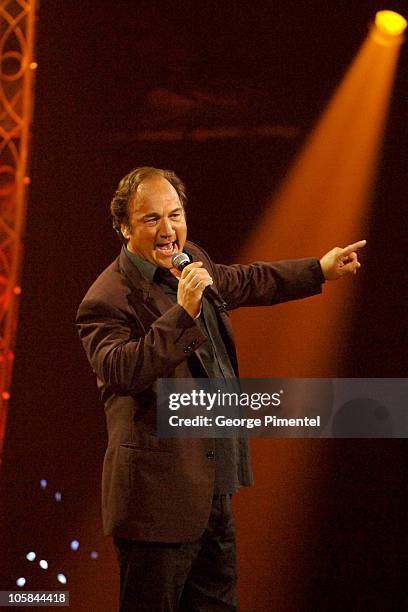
x=339, y=262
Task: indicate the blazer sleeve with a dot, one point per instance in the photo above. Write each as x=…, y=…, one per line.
x=264, y=284
x=123, y=357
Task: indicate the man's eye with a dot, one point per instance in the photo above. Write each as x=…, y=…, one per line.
x=176, y=216
x=151, y=221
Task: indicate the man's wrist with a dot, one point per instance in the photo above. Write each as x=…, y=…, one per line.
x=193, y=315
x=322, y=275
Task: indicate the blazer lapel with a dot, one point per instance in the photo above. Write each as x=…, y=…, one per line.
x=147, y=299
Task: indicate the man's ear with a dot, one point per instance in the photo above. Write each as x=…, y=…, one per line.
x=125, y=231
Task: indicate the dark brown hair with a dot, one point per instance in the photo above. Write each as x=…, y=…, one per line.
x=127, y=188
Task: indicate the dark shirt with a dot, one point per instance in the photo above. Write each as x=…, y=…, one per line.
x=211, y=360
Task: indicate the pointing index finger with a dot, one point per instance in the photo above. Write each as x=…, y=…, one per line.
x=354, y=247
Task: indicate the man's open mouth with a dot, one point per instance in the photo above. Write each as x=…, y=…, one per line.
x=167, y=249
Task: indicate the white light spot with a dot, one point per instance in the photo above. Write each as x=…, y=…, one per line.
x=30, y=556
x=94, y=554
x=43, y=483
x=20, y=581
x=74, y=545
x=58, y=496
x=62, y=579
x=43, y=564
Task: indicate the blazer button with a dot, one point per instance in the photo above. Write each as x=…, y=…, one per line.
x=210, y=455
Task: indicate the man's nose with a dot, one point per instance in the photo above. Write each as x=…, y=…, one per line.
x=166, y=227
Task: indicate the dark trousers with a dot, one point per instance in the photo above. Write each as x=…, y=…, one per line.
x=195, y=576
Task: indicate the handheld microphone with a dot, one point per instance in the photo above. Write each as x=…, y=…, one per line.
x=180, y=261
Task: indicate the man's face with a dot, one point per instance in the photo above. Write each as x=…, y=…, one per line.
x=157, y=223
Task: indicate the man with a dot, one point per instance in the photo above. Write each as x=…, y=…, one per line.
x=167, y=502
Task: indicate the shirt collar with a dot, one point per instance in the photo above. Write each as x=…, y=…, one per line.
x=146, y=268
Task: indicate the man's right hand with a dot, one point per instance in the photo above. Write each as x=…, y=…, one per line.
x=192, y=282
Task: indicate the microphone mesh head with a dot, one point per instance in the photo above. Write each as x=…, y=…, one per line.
x=180, y=261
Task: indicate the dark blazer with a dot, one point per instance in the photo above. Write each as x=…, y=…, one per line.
x=161, y=489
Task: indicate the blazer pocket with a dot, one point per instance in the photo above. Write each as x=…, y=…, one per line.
x=147, y=448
